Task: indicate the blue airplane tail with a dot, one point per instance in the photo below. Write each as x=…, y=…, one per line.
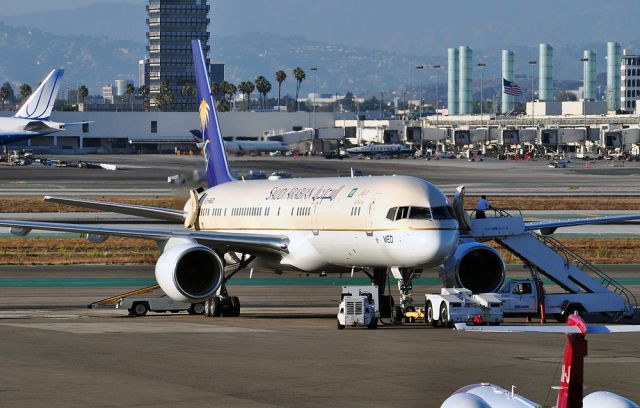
x=215, y=158
x=40, y=103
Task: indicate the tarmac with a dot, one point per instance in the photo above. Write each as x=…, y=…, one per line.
x=283, y=351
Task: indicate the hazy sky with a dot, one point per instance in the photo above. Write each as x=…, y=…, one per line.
x=406, y=26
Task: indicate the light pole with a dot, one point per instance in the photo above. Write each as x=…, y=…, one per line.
x=584, y=99
x=381, y=103
x=437, y=68
x=481, y=65
x=533, y=64
x=315, y=70
x=419, y=68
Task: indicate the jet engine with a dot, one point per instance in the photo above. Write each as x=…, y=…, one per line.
x=189, y=272
x=474, y=266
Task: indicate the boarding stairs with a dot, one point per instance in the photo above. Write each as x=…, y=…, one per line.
x=583, y=282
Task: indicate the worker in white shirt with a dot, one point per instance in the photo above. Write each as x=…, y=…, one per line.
x=483, y=205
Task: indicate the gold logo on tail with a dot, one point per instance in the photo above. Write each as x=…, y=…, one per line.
x=204, y=115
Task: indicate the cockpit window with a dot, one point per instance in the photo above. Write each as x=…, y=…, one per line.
x=420, y=213
x=397, y=213
x=444, y=212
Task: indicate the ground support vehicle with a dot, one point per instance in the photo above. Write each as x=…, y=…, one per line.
x=139, y=306
x=358, y=307
x=459, y=305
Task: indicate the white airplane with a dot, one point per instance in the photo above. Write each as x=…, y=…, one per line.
x=331, y=224
x=32, y=119
x=245, y=146
x=570, y=390
x=381, y=150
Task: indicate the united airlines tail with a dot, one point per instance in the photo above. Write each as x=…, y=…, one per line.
x=40, y=103
x=215, y=158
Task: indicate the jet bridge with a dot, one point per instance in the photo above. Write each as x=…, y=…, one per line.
x=586, y=288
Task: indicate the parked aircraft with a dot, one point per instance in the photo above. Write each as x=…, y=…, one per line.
x=330, y=224
x=245, y=146
x=381, y=150
x=32, y=119
x=570, y=390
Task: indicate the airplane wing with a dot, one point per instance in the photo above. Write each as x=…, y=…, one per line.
x=517, y=329
x=619, y=328
x=549, y=227
x=158, y=213
x=248, y=243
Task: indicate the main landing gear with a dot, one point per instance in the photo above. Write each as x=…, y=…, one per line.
x=223, y=305
x=379, y=278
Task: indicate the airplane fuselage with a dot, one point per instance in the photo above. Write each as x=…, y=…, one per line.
x=359, y=221
x=17, y=129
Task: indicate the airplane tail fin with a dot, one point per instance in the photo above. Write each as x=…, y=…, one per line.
x=40, y=103
x=215, y=158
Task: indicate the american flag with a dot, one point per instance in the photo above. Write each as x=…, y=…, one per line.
x=511, y=88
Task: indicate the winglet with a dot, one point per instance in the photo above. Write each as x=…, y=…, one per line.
x=40, y=103
x=215, y=157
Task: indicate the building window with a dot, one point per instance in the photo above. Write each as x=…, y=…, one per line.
x=85, y=128
x=154, y=126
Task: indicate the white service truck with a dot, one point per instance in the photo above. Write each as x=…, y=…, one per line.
x=460, y=305
x=139, y=306
x=522, y=297
x=358, y=307
x=516, y=298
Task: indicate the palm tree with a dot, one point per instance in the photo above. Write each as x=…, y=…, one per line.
x=215, y=89
x=144, y=92
x=246, y=88
x=299, y=75
x=280, y=77
x=164, y=100
x=263, y=86
x=4, y=95
x=25, y=91
x=130, y=90
x=83, y=92
x=229, y=89
x=189, y=90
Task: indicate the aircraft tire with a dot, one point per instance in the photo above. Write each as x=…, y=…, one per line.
x=397, y=314
x=216, y=307
x=235, y=306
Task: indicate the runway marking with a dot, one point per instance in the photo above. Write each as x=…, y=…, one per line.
x=134, y=328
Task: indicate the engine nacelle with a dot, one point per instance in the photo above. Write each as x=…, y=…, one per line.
x=474, y=266
x=189, y=272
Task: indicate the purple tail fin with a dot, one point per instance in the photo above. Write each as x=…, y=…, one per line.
x=215, y=157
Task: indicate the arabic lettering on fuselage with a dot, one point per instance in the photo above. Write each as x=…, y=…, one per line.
x=304, y=193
